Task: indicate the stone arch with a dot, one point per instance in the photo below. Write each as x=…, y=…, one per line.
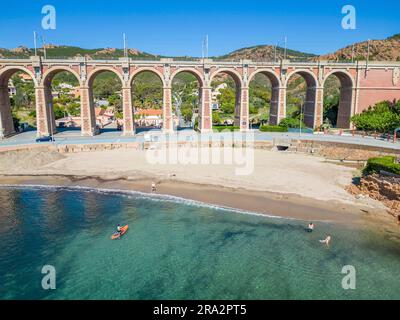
x=141, y=70
x=199, y=76
x=237, y=78
x=6, y=118
x=309, y=108
x=142, y=123
x=95, y=72
x=50, y=73
x=201, y=85
x=46, y=81
x=345, y=108
x=270, y=74
x=7, y=72
x=275, y=97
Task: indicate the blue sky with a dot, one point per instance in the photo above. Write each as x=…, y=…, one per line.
x=178, y=27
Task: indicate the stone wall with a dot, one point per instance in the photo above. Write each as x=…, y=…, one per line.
x=340, y=151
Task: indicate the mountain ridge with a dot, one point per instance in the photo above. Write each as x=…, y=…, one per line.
x=380, y=50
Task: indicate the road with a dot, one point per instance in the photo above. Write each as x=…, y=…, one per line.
x=113, y=136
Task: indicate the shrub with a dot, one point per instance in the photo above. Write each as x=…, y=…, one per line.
x=222, y=128
x=279, y=128
x=387, y=163
x=291, y=123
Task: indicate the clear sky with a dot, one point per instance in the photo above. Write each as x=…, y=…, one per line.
x=178, y=27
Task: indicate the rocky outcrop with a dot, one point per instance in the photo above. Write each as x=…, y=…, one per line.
x=379, y=50
x=381, y=187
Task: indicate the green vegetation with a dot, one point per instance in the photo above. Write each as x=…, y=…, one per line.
x=383, y=117
x=267, y=128
x=292, y=123
x=147, y=91
x=387, y=163
x=223, y=128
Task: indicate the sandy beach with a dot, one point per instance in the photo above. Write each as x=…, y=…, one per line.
x=282, y=184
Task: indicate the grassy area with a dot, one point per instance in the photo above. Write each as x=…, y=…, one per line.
x=267, y=128
x=222, y=128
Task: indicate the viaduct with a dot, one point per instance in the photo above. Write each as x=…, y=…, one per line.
x=362, y=85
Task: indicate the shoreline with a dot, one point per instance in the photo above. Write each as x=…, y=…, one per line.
x=278, y=205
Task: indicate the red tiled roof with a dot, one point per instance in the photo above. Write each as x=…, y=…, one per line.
x=150, y=112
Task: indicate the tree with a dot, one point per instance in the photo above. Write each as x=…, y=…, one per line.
x=382, y=117
x=216, y=117
x=226, y=100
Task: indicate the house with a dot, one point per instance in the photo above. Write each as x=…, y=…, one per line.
x=149, y=117
x=69, y=122
x=216, y=92
x=102, y=103
x=103, y=118
x=11, y=88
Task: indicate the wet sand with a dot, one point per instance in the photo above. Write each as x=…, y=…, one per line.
x=283, y=205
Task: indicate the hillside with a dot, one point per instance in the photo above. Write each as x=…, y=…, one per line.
x=70, y=52
x=380, y=50
x=267, y=53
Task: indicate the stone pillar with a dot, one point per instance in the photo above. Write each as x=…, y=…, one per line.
x=345, y=107
x=281, y=104
x=129, y=121
x=205, y=119
x=244, y=109
x=44, y=112
x=274, y=110
x=238, y=101
x=309, y=109
x=6, y=119
x=167, y=110
x=319, y=107
x=88, y=117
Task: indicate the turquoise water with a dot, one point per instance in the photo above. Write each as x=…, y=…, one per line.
x=178, y=250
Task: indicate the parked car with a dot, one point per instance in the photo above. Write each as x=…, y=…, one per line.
x=44, y=139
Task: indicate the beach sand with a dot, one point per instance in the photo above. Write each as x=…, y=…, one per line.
x=291, y=185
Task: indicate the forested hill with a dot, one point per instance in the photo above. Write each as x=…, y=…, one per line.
x=380, y=50
x=267, y=53
x=71, y=52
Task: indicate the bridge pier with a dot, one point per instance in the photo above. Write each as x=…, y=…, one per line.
x=244, y=109
x=278, y=105
x=46, y=124
x=205, y=118
x=129, y=121
x=6, y=119
x=167, y=110
x=88, y=119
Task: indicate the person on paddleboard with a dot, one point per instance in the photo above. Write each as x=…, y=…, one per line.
x=119, y=229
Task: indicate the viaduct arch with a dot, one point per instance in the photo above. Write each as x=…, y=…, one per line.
x=362, y=84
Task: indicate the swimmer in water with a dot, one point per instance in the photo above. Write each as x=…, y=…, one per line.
x=310, y=227
x=326, y=240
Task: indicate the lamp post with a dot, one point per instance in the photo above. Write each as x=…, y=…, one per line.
x=301, y=116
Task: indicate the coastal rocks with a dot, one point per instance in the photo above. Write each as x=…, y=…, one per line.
x=382, y=188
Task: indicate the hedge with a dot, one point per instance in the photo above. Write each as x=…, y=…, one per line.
x=230, y=128
x=273, y=129
x=387, y=163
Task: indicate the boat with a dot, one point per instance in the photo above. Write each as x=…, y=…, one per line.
x=118, y=235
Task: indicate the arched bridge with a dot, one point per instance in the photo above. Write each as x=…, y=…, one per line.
x=362, y=84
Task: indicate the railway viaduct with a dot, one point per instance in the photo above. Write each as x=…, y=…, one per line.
x=362, y=85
